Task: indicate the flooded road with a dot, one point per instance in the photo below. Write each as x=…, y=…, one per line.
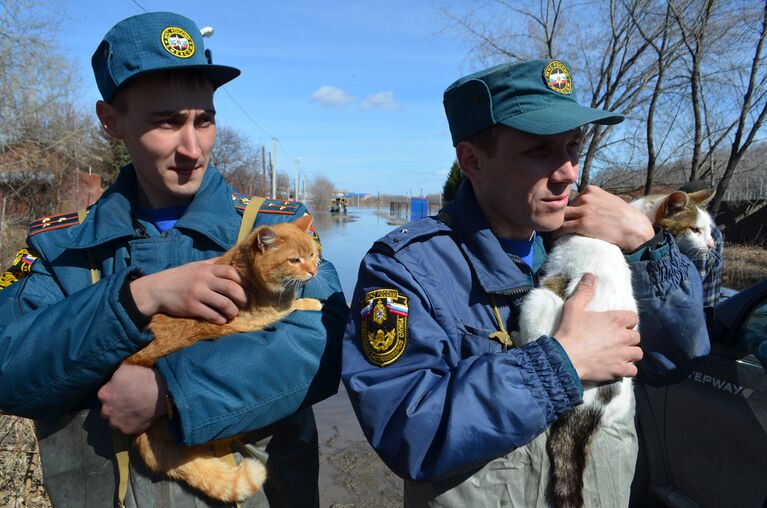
x=351, y=474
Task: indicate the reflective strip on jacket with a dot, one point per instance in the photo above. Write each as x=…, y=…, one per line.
x=62, y=336
x=456, y=400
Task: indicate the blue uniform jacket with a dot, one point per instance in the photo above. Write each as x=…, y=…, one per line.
x=455, y=399
x=62, y=336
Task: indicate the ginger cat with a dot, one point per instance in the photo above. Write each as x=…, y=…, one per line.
x=274, y=260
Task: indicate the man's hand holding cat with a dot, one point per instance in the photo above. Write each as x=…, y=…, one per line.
x=598, y=214
x=133, y=398
x=201, y=290
x=602, y=346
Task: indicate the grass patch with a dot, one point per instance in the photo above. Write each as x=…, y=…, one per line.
x=744, y=266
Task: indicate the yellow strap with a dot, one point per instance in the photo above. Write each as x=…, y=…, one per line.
x=120, y=442
x=222, y=450
x=121, y=445
x=501, y=335
x=82, y=213
x=249, y=217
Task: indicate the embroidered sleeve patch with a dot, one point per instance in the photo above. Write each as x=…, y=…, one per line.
x=384, y=326
x=20, y=268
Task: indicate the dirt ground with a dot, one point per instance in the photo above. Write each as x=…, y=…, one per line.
x=20, y=475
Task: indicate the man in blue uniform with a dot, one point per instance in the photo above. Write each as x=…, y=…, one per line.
x=143, y=248
x=441, y=391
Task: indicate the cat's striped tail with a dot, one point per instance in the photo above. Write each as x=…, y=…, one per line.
x=568, y=447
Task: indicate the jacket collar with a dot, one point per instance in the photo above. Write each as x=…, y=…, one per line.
x=494, y=269
x=210, y=213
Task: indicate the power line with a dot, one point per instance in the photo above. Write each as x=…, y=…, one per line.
x=247, y=115
x=140, y=6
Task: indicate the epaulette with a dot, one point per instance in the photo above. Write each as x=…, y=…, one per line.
x=52, y=222
x=277, y=206
x=404, y=235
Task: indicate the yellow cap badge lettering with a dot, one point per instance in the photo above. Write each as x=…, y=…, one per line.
x=383, y=317
x=557, y=77
x=177, y=42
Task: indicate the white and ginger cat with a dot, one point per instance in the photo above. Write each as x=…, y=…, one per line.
x=682, y=215
x=570, y=436
x=274, y=260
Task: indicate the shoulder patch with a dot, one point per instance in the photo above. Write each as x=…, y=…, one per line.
x=383, y=316
x=404, y=235
x=20, y=268
x=277, y=206
x=52, y=222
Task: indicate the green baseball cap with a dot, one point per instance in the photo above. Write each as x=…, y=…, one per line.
x=534, y=96
x=152, y=42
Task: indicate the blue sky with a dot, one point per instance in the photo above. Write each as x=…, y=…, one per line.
x=353, y=88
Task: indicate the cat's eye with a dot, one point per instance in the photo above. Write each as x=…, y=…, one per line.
x=294, y=261
x=697, y=231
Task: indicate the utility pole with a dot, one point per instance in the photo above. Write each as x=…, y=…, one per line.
x=273, y=164
x=298, y=176
x=273, y=180
x=263, y=171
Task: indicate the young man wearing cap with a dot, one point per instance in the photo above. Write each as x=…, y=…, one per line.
x=442, y=393
x=143, y=248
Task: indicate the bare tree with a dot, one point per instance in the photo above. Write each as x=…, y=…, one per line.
x=283, y=186
x=666, y=55
x=693, y=22
x=238, y=161
x=321, y=192
x=43, y=132
x=753, y=112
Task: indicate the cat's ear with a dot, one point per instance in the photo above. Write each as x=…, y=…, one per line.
x=304, y=222
x=675, y=201
x=702, y=197
x=265, y=238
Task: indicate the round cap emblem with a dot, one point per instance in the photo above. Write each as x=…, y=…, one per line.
x=177, y=42
x=557, y=77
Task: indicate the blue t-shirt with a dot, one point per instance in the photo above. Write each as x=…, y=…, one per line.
x=162, y=218
x=522, y=249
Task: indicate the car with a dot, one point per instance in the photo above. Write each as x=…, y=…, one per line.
x=703, y=441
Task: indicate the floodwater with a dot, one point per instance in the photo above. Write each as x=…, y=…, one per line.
x=351, y=474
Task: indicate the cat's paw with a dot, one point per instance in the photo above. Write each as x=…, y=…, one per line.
x=307, y=304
